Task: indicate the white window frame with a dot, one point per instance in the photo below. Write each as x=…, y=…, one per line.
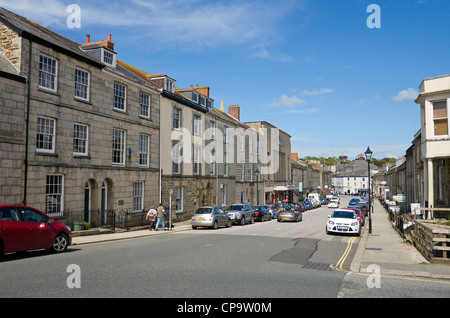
x=138, y=196
x=176, y=111
x=145, y=100
x=113, y=64
x=212, y=129
x=57, y=193
x=196, y=125
x=176, y=158
x=48, y=134
x=121, y=149
x=179, y=194
x=86, y=87
x=123, y=98
x=446, y=101
x=225, y=164
x=51, y=77
x=144, y=150
x=197, y=151
x=224, y=194
x=84, y=141
x=212, y=165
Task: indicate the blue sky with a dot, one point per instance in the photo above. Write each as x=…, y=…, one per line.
x=313, y=68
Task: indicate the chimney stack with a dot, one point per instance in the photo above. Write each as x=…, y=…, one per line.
x=88, y=38
x=234, y=111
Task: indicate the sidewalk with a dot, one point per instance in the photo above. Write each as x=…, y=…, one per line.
x=385, y=248
x=177, y=227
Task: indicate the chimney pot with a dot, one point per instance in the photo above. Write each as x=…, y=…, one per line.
x=88, y=38
x=109, y=37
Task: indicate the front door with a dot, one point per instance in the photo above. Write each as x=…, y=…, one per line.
x=87, y=200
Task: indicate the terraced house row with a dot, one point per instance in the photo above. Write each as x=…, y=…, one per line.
x=82, y=130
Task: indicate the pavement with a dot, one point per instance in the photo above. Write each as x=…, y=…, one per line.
x=383, y=247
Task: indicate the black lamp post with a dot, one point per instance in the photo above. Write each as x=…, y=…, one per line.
x=257, y=172
x=368, y=155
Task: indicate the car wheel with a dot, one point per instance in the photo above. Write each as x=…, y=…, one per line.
x=194, y=227
x=243, y=220
x=60, y=243
x=229, y=223
x=215, y=225
x=252, y=220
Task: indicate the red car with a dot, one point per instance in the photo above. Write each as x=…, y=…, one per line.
x=361, y=216
x=23, y=228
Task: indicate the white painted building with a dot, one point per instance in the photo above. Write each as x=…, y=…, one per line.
x=350, y=184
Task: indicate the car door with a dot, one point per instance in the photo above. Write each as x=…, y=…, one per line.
x=39, y=234
x=222, y=216
x=11, y=230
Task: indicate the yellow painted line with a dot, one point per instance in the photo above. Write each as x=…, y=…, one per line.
x=347, y=251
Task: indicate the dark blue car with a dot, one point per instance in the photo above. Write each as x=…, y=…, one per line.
x=353, y=201
x=309, y=205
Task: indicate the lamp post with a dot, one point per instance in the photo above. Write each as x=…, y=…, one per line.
x=368, y=155
x=257, y=172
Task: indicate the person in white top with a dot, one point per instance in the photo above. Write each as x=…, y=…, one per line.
x=151, y=216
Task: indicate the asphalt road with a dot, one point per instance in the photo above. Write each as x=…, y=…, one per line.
x=268, y=259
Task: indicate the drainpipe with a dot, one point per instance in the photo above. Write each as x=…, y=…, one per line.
x=27, y=120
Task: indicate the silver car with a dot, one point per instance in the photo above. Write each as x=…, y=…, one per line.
x=210, y=216
x=289, y=216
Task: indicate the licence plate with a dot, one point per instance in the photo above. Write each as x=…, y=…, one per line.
x=285, y=218
x=200, y=219
x=342, y=228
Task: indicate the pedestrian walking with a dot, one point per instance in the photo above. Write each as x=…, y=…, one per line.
x=161, y=215
x=151, y=216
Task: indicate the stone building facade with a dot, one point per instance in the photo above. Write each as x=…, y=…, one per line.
x=91, y=125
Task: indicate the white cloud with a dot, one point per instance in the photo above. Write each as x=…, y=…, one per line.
x=318, y=92
x=406, y=94
x=192, y=25
x=287, y=101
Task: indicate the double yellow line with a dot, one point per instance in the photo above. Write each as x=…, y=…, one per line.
x=344, y=256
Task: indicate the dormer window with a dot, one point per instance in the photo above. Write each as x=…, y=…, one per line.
x=202, y=101
x=108, y=57
x=169, y=86
x=195, y=97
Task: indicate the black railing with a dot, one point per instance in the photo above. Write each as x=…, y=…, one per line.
x=110, y=219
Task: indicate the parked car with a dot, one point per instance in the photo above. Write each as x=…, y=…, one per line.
x=343, y=221
x=353, y=201
x=364, y=207
x=289, y=216
x=303, y=204
x=272, y=209
x=262, y=214
x=24, y=228
x=333, y=204
x=362, y=217
x=241, y=213
x=210, y=216
x=300, y=207
x=308, y=204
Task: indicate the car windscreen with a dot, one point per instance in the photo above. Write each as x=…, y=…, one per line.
x=343, y=214
x=203, y=211
x=235, y=208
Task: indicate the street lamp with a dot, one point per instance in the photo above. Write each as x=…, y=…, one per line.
x=368, y=155
x=257, y=172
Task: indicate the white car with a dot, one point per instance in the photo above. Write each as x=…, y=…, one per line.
x=333, y=204
x=343, y=221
